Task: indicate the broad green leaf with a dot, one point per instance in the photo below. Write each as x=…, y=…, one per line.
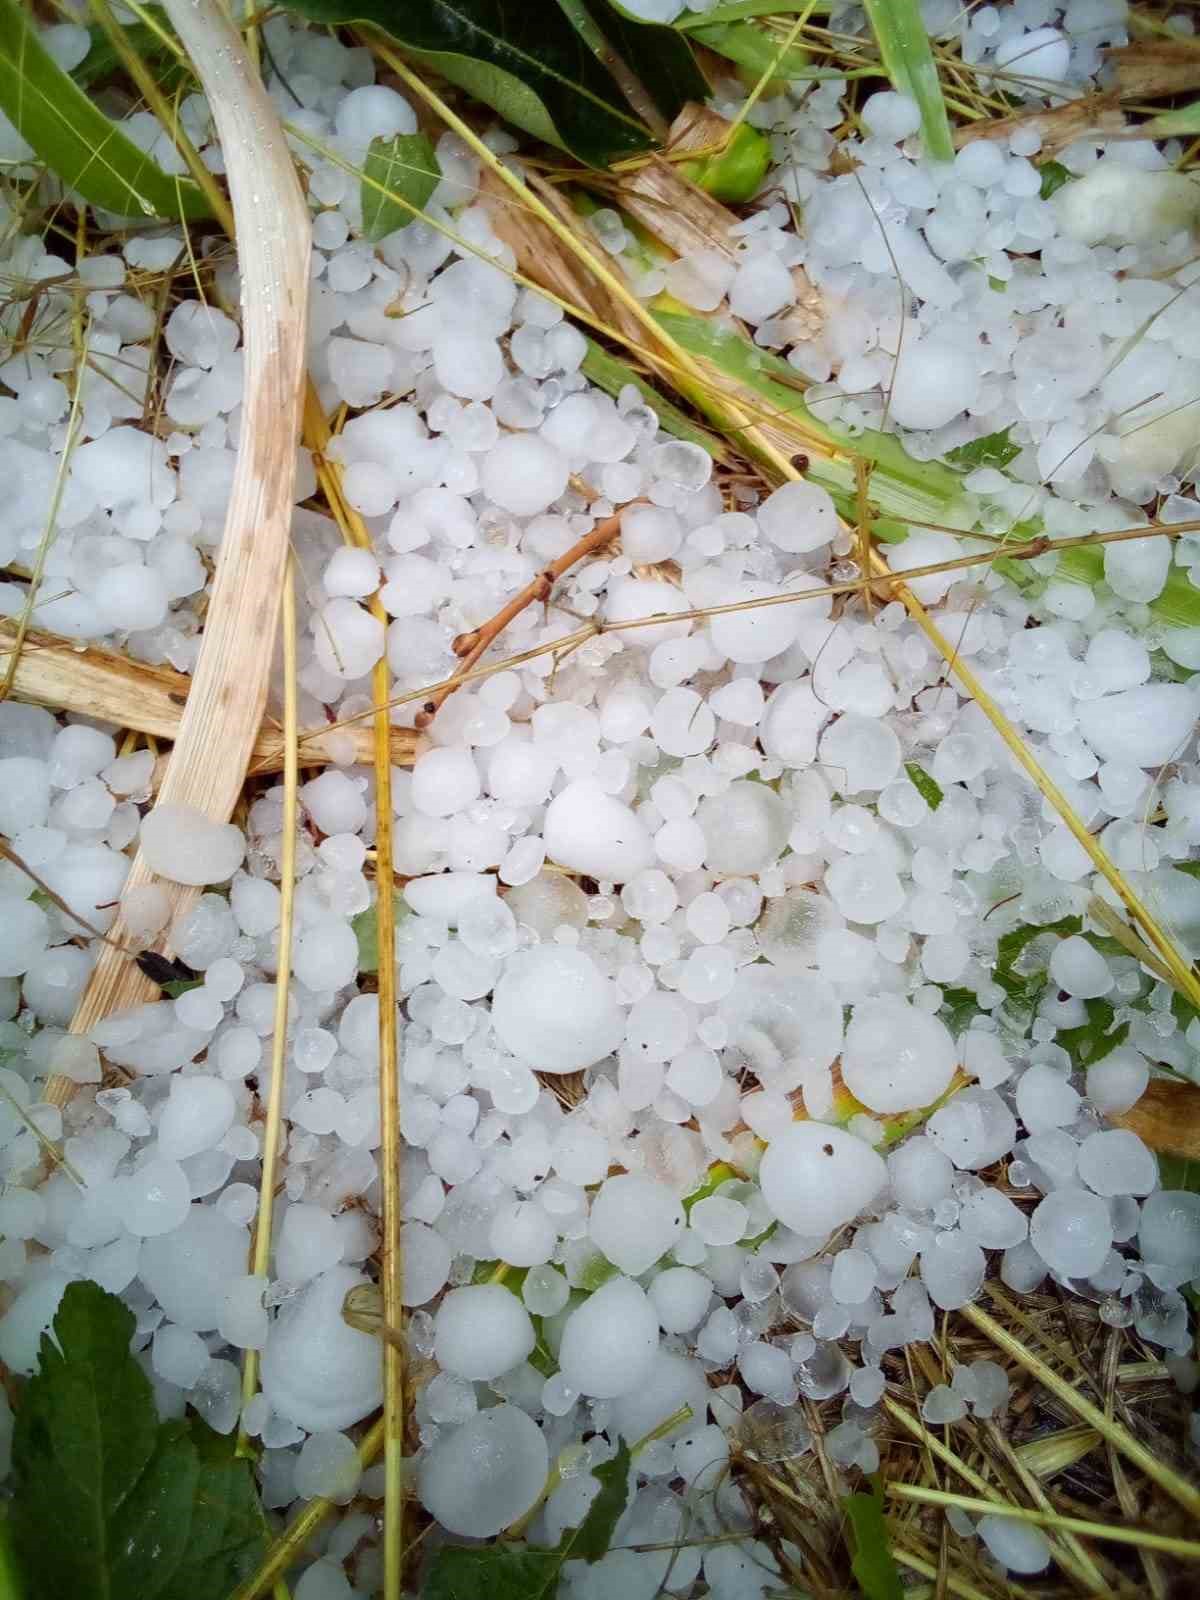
x=366, y=931
x=660, y=57
x=929, y=790
x=524, y=61
x=741, y=11
x=733, y=174
x=405, y=166
x=161, y=1511
x=503, y=1571
x=749, y=47
x=1092, y=1040
x=609, y=372
x=872, y=1562
x=1054, y=175
x=904, y=45
x=74, y=138
x=993, y=450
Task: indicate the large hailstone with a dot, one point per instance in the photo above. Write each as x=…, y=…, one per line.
x=787, y=1025
x=318, y=1371
x=635, y=1220
x=896, y=1057
x=480, y=1331
x=815, y=1178
x=589, y=831
x=555, y=1009
x=482, y=1476
x=610, y=1341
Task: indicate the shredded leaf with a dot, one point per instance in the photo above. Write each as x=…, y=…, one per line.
x=160, y=1510
x=872, y=1562
x=993, y=450
x=405, y=166
x=929, y=790
x=503, y=1571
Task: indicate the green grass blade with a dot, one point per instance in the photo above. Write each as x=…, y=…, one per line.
x=1183, y=120
x=908, y=60
x=75, y=139
x=609, y=372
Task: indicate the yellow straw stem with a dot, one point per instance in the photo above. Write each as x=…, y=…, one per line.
x=1114, y=1533
x=261, y=1258
x=1185, y=1494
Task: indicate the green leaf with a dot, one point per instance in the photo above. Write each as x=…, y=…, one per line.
x=1191, y=868
x=741, y=11
x=1183, y=120
x=993, y=450
x=904, y=45
x=872, y=1562
x=611, y=374
x=1092, y=1040
x=162, y=1511
x=661, y=57
x=758, y=52
x=959, y=1005
x=366, y=931
x=102, y=59
x=926, y=787
x=504, y=1571
x=1054, y=175
x=178, y=986
x=10, y=1578
x=405, y=166
x=734, y=173
x=73, y=136
x=1179, y=1172
x=524, y=61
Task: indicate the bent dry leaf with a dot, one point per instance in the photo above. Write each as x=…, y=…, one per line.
x=405, y=166
x=163, y=1511
x=74, y=138
x=515, y=1572
x=524, y=61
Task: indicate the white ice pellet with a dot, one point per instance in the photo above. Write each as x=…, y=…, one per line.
x=933, y=380
x=482, y=1331
x=635, y=1220
x=317, y=1371
x=555, y=1010
x=328, y=1465
x=196, y=1117
x=814, y=1178
x=799, y=517
x=189, y=1269
x=1169, y=1230
x=1142, y=727
x=182, y=844
x=1015, y=1545
x=482, y=1476
x=1078, y=968
x=680, y=1297
x=609, y=1341
x=523, y=474
x=1071, y=1230
x=1115, y=1161
x=896, y=1057
x=592, y=832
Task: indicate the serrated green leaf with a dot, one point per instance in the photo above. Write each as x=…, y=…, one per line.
x=1054, y=175
x=524, y=61
x=993, y=450
x=504, y=1571
x=660, y=56
x=929, y=790
x=872, y=1562
x=74, y=138
x=907, y=54
x=161, y=1511
x=405, y=166
x=366, y=931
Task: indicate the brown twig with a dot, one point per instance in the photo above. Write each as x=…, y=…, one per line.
x=470, y=647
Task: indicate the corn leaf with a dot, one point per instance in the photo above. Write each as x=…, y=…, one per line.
x=908, y=60
x=1178, y=605
x=74, y=138
x=405, y=166
x=524, y=61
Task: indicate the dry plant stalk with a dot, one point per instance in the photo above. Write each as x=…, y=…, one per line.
x=228, y=693
x=1152, y=69
x=471, y=647
x=1092, y=117
x=107, y=685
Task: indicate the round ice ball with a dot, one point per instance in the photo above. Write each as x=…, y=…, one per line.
x=554, y=1009
x=1169, y=1233
x=1042, y=54
x=745, y=828
x=798, y=517
x=1071, y=1230
x=1118, y=1081
x=896, y=1057
x=589, y=831
x=1140, y=727
x=182, y=844
x=27, y=1319
x=680, y=1296
x=609, y=1342
x=318, y=1371
x=634, y=1221
x=920, y=1174
x=188, y=1271
x=197, y=1115
x=814, y=1178
x=523, y=474
x=1114, y=1161
x=759, y=633
x=933, y=381
x=480, y=1477
x=1014, y=1544
x=480, y=1331
x=672, y=1382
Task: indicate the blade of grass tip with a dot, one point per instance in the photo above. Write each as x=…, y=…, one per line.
x=1185, y=1494
x=291, y=1542
x=1145, y=1538
x=908, y=60
x=261, y=1257
x=614, y=284
x=317, y=436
